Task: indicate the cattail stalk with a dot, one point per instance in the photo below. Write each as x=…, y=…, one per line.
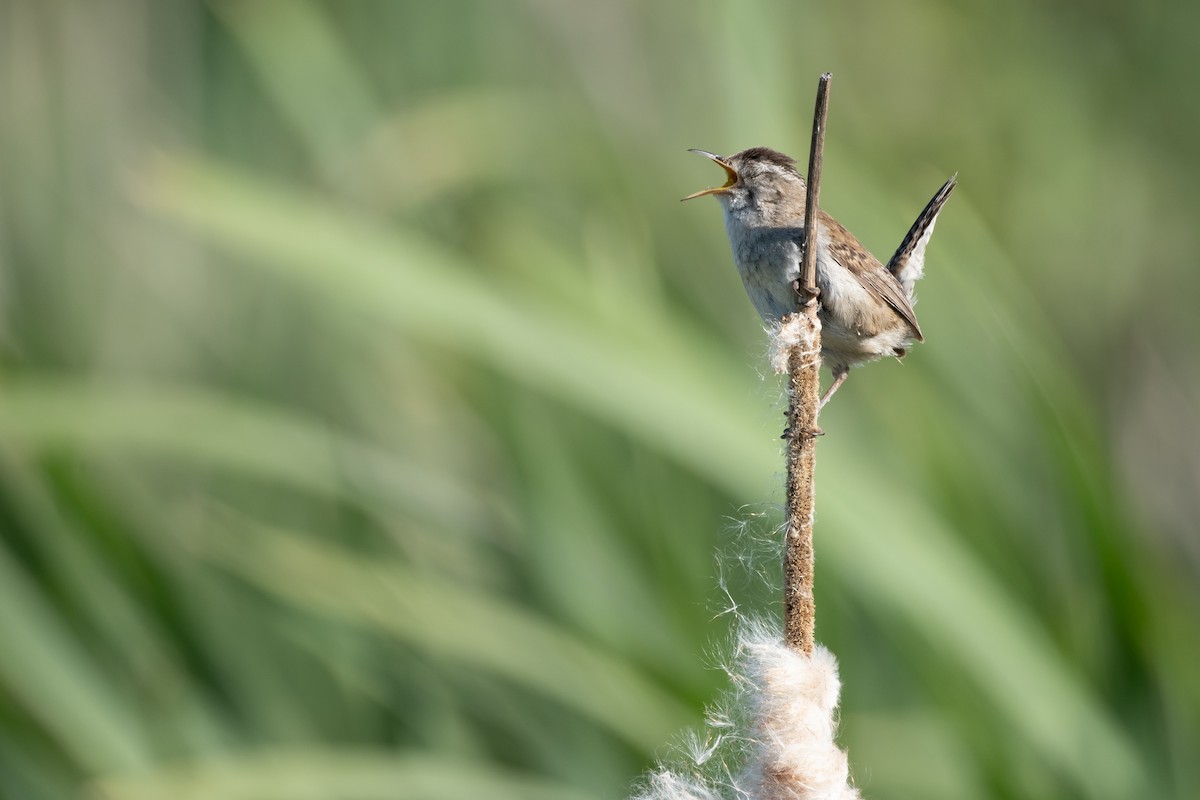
x=803, y=367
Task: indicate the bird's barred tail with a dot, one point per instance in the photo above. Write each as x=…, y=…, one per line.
x=908, y=263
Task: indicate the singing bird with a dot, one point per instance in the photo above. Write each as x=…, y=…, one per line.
x=866, y=308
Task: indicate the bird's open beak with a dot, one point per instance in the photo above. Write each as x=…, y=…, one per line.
x=723, y=164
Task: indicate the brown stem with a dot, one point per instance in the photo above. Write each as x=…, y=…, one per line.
x=804, y=366
x=816, y=155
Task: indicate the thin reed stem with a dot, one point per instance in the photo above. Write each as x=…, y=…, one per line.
x=804, y=366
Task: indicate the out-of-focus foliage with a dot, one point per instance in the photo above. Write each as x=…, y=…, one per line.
x=371, y=410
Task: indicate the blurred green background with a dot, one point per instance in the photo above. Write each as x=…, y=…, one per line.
x=371, y=410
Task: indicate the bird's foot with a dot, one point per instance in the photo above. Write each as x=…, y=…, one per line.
x=804, y=433
x=804, y=294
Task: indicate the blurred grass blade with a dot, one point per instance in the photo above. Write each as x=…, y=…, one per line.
x=904, y=558
x=404, y=279
x=482, y=631
x=45, y=670
x=453, y=142
x=308, y=71
x=325, y=774
x=103, y=604
x=222, y=431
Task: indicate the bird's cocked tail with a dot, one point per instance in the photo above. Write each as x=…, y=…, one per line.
x=908, y=263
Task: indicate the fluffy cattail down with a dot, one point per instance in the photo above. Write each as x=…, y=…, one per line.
x=794, y=708
x=790, y=701
x=793, y=333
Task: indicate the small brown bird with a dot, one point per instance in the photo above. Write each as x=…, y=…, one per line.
x=866, y=309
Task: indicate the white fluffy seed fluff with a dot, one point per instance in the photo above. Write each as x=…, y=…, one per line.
x=791, y=702
x=794, y=331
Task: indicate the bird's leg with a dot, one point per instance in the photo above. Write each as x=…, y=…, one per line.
x=838, y=379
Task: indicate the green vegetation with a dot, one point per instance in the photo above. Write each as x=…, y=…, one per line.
x=371, y=410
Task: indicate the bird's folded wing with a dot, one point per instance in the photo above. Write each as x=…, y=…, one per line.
x=884, y=286
x=850, y=253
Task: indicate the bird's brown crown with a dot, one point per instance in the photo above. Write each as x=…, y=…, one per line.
x=766, y=154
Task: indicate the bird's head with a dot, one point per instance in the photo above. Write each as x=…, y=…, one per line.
x=754, y=178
